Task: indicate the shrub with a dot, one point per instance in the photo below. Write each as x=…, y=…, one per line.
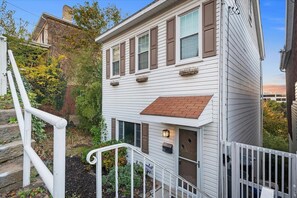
x=124, y=179
x=88, y=105
x=108, y=157
x=41, y=73
x=37, y=124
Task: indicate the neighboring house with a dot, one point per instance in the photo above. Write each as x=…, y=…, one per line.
x=289, y=65
x=179, y=77
x=51, y=31
x=275, y=97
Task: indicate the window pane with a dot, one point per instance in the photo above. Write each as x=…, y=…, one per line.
x=143, y=43
x=143, y=61
x=137, y=135
x=116, y=68
x=121, y=130
x=189, y=24
x=129, y=133
x=115, y=54
x=189, y=47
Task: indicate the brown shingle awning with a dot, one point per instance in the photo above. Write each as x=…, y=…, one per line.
x=189, y=107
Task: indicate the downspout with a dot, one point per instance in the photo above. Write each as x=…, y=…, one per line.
x=221, y=95
x=261, y=104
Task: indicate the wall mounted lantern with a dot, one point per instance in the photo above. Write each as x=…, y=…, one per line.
x=166, y=133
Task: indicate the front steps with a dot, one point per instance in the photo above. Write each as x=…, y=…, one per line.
x=5, y=115
x=11, y=153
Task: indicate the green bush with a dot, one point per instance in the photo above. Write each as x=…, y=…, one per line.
x=88, y=106
x=41, y=72
x=38, y=125
x=108, y=157
x=275, y=128
x=276, y=142
x=124, y=179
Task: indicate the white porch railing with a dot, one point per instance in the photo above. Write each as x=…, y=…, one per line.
x=55, y=182
x=3, y=65
x=171, y=184
x=245, y=169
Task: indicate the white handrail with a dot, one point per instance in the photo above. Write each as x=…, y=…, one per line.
x=19, y=81
x=55, y=182
x=47, y=117
x=17, y=105
x=146, y=157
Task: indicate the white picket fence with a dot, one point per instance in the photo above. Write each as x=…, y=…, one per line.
x=246, y=169
x=169, y=182
x=55, y=182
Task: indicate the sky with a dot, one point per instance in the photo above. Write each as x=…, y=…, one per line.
x=272, y=12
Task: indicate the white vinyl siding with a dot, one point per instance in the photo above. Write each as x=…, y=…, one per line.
x=243, y=75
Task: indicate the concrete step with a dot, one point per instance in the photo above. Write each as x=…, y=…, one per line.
x=9, y=133
x=11, y=175
x=11, y=151
x=6, y=114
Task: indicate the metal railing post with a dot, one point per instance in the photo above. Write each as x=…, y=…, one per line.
x=59, y=162
x=3, y=65
x=234, y=169
x=294, y=175
x=27, y=143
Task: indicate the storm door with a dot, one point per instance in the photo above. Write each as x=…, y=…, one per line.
x=188, y=163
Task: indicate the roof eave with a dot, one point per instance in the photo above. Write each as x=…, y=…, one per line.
x=259, y=30
x=134, y=19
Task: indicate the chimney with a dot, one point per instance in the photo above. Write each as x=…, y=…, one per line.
x=67, y=13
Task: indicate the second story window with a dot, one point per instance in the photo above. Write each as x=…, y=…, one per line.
x=116, y=60
x=143, y=51
x=189, y=34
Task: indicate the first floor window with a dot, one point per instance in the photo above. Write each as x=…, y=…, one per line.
x=143, y=51
x=189, y=33
x=130, y=133
x=116, y=60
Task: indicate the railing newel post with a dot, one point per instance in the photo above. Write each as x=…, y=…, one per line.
x=27, y=143
x=99, y=176
x=59, y=162
x=132, y=173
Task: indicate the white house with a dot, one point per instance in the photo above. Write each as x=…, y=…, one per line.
x=179, y=76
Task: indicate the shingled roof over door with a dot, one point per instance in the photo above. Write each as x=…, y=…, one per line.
x=183, y=110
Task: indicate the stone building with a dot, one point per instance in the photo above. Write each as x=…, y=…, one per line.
x=52, y=31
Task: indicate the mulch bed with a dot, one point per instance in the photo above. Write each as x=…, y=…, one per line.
x=79, y=180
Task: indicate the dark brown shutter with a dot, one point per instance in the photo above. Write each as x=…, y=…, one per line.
x=107, y=63
x=154, y=48
x=122, y=59
x=170, y=42
x=145, y=138
x=113, y=128
x=132, y=56
x=209, y=28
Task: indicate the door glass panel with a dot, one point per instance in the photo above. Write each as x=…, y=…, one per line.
x=188, y=144
x=188, y=170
